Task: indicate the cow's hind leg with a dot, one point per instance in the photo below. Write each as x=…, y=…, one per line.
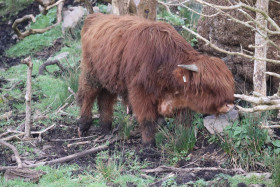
x=106, y=101
x=85, y=99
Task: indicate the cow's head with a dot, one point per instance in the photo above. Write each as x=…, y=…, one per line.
x=205, y=86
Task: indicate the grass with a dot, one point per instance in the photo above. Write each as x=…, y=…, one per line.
x=12, y=7
x=36, y=42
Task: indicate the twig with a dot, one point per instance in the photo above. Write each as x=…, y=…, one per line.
x=72, y=92
x=72, y=139
x=19, y=133
x=159, y=182
x=14, y=149
x=228, y=52
x=60, y=109
x=29, y=63
x=78, y=143
x=187, y=170
x=271, y=127
x=259, y=108
x=31, y=17
x=48, y=63
x=67, y=158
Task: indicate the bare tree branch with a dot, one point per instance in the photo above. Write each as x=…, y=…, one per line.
x=14, y=149
x=37, y=31
x=28, y=121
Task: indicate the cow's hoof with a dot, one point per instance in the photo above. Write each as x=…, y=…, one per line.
x=106, y=128
x=83, y=126
x=149, y=144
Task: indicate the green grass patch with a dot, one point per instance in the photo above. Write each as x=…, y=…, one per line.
x=12, y=7
x=61, y=176
x=36, y=42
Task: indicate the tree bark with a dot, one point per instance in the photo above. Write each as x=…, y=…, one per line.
x=120, y=7
x=29, y=63
x=259, y=77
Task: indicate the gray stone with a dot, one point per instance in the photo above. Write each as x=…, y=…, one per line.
x=96, y=9
x=216, y=124
x=259, y=175
x=72, y=17
x=59, y=56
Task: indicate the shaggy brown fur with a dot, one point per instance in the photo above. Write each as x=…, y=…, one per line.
x=138, y=59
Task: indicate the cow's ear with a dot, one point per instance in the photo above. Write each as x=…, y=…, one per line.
x=182, y=75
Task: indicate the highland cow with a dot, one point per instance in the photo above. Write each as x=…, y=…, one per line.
x=153, y=67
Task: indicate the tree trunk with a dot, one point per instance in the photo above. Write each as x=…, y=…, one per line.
x=147, y=9
x=260, y=50
x=120, y=7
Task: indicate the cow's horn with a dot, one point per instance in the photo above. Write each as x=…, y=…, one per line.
x=191, y=67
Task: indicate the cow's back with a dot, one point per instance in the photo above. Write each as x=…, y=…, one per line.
x=127, y=50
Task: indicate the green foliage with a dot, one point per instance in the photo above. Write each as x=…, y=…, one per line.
x=245, y=142
x=276, y=170
x=51, y=91
x=61, y=176
x=36, y=42
x=170, y=18
x=198, y=183
x=43, y=21
x=103, y=8
x=12, y=7
x=233, y=181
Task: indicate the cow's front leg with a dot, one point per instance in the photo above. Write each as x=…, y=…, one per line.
x=148, y=130
x=144, y=106
x=85, y=99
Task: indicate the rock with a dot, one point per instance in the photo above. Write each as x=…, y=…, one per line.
x=230, y=35
x=216, y=124
x=96, y=9
x=72, y=17
x=59, y=56
x=259, y=175
x=109, y=9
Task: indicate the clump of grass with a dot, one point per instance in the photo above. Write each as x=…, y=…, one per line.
x=176, y=140
x=245, y=143
x=109, y=167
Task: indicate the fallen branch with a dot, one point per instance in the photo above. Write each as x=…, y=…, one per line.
x=258, y=100
x=72, y=92
x=27, y=127
x=14, y=149
x=19, y=133
x=259, y=108
x=78, y=143
x=66, y=158
x=159, y=182
x=187, y=170
x=28, y=32
x=72, y=139
x=271, y=127
x=48, y=63
x=61, y=108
